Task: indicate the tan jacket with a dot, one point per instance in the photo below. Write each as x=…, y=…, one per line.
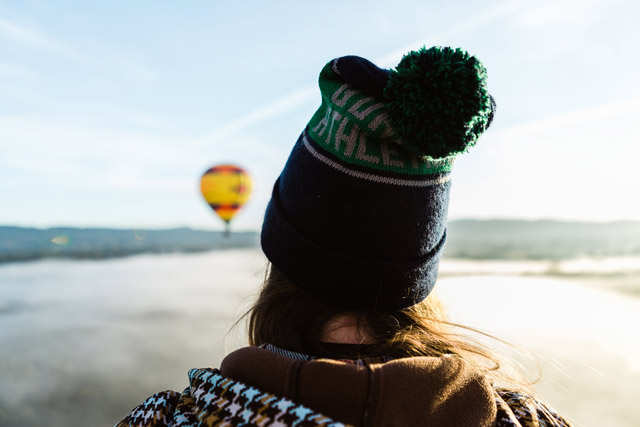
x=260, y=387
x=417, y=391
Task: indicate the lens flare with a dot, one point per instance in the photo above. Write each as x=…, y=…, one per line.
x=62, y=240
x=140, y=234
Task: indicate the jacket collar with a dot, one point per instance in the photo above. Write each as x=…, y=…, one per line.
x=408, y=391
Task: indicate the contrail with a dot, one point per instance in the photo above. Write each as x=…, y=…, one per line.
x=280, y=106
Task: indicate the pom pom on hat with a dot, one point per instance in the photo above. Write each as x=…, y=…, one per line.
x=438, y=101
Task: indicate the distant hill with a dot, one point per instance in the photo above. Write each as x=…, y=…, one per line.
x=546, y=239
x=475, y=239
x=22, y=244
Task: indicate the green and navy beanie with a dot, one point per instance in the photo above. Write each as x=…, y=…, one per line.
x=358, y=215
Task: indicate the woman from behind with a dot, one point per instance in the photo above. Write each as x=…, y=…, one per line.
x=345, y=329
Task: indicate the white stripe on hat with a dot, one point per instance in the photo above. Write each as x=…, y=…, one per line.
x=370, y=176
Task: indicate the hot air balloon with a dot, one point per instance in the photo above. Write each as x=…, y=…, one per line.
x=226, y=188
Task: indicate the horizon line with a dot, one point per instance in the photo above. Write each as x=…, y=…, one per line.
x=257, y=230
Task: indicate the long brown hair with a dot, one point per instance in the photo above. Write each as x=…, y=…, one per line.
x=291, y=318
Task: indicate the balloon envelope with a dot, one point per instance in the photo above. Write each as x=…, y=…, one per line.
x=226, y=188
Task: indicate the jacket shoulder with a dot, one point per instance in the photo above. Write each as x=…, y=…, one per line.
x=215, y=400
x=157, y=410
x=517, y=409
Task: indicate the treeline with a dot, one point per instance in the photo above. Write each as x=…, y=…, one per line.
x=475, y=239
x=24, y=244
x=546, y=239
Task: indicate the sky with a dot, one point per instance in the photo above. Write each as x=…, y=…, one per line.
x=111, y=111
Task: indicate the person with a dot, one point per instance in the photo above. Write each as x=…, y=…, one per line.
x=345, y=330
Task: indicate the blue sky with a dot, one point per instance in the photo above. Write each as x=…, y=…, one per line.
x=110, y=111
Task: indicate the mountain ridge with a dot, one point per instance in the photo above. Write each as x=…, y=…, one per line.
x=467, y=238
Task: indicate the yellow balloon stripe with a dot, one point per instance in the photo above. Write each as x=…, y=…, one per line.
x=226, y=188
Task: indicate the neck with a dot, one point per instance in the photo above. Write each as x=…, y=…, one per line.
x=344, y=329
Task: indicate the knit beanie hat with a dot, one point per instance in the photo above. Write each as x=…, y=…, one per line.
x=358, y=215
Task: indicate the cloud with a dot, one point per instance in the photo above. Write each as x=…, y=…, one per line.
x=134, y=70
x=573, y=118
x=578, y=165
x=88, y=171
x=82, y=156
x=16, y=71
x=125, y=65
x=146, y=121
x=553, y=29
x=467, y=25
x=37, y=40
x=579, y=14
